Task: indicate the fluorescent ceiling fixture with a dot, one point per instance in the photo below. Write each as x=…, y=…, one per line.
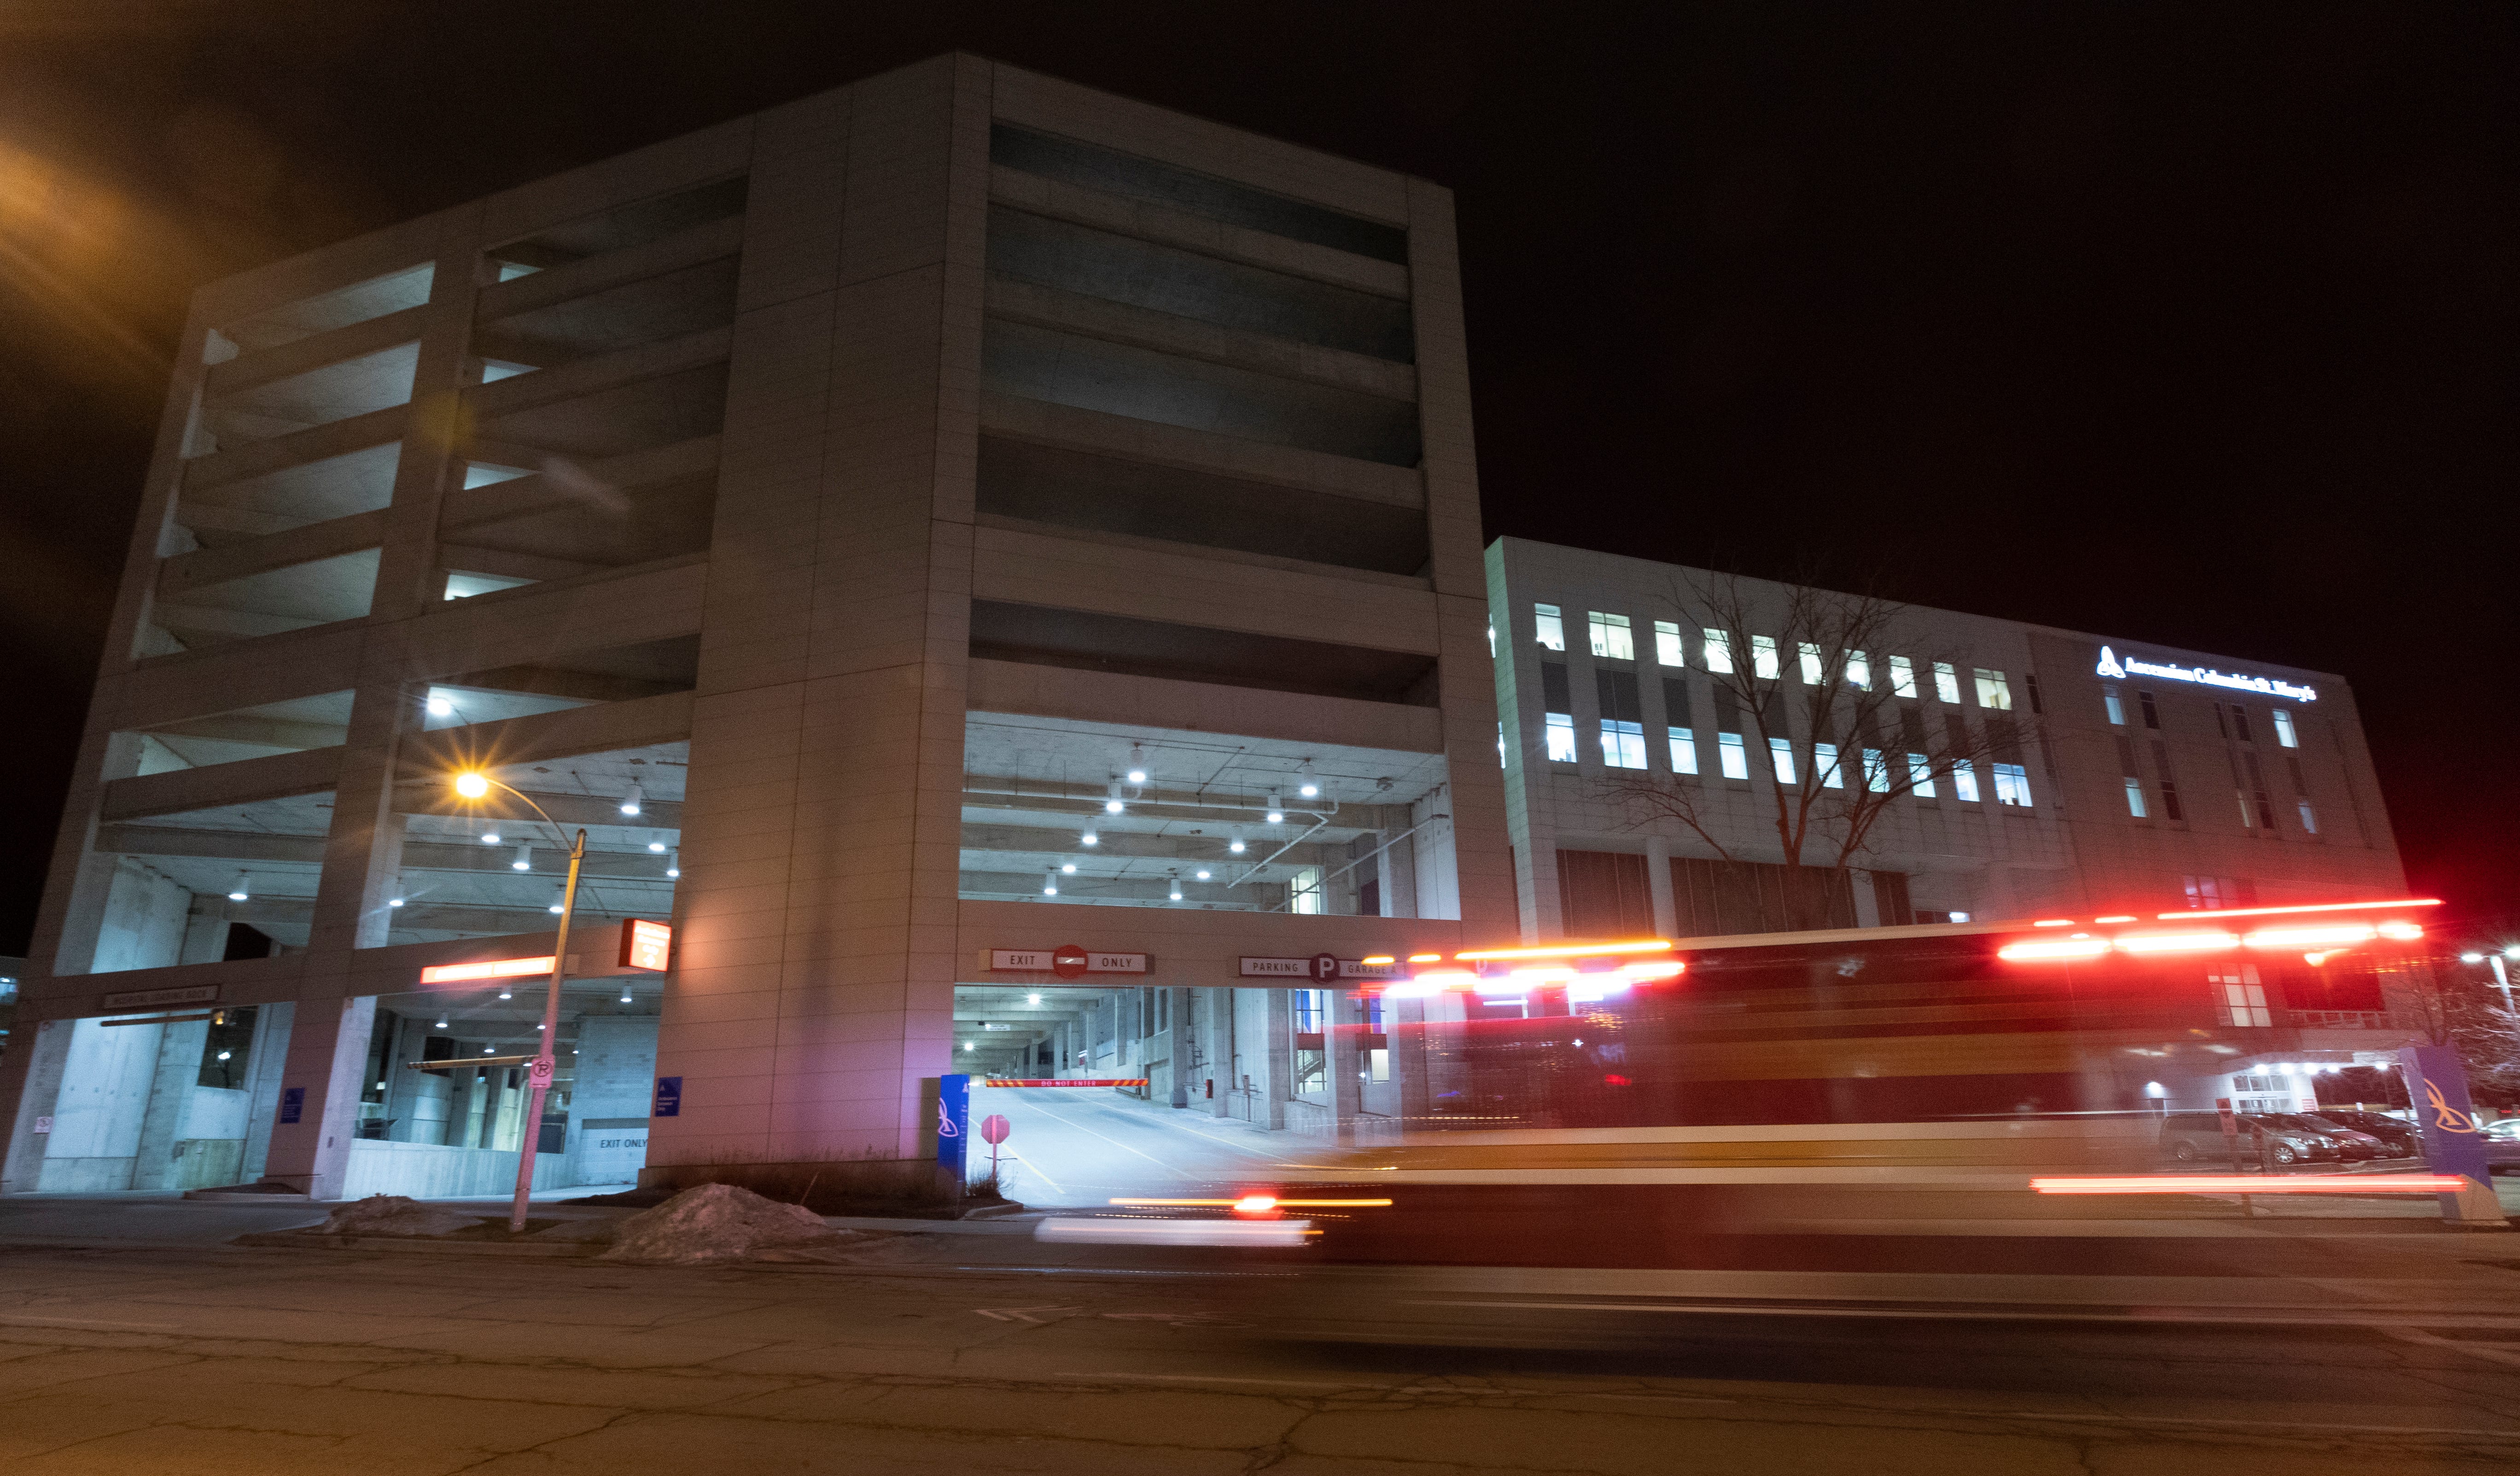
x=1201, y=874
x=525, y=861
x=1306, y=783
x=1089, y=838
x=656, y=846
x=1069, y=870
x=1136, y=764
x=1276, y=811
x=1236, y=844
x=439, y=708
x=491, y=836
x=630, y=802
x=1050, y=883
x=244, y=887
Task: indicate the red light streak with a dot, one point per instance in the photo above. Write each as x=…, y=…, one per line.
x=2210, y=941
x=2320, y=907
x=2242, y=1184
x=2059, y=948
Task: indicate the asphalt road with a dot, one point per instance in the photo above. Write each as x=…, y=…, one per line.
x=1080, y=1147
x=976, y=1351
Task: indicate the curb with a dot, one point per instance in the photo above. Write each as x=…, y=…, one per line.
x=413, y=1245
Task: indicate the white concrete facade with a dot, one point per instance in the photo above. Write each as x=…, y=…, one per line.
x=2268, y=811
x=864, y=481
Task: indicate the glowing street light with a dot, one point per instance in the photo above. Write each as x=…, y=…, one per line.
x=472, y=784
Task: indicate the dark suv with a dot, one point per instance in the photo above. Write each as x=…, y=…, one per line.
x=2397, y=1138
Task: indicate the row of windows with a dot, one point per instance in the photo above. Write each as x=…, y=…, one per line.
x=1623, y=746
x=1614, y=639
x=2232, y=717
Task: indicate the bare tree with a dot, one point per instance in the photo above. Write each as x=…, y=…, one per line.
x=2451, y=1005
x=1840, y=707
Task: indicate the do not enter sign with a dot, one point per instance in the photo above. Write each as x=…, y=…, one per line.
x=1068, y=962
x=994, y=1129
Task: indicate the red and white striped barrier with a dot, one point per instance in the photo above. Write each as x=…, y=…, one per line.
x=1065, y=1081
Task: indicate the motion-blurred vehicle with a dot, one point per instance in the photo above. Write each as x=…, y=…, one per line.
x=1648, y=1104
x=2396, y=1137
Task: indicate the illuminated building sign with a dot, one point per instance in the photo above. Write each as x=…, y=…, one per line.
x=646, y=945
x=491, y=968
x=2111, y=666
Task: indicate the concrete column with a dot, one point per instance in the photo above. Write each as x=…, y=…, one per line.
x=823, y=830
x=1346, y=1062
x=266, y=1063
x=170, y=1091
x=205, y=930
x=1665, y=914
x=328, y=1057
x=1277, y=1059
x=1867, y=907
x=1216, y=1036
x=30, y=1079
x=1407, y=1027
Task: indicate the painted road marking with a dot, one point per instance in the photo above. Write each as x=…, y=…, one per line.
x=1022, y=1313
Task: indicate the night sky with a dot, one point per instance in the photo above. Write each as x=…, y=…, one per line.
x=2194, y=324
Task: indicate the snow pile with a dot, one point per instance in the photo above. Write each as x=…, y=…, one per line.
x=394, y=1215
x=716, y=1221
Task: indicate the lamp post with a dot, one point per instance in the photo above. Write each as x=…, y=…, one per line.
x=474, y=785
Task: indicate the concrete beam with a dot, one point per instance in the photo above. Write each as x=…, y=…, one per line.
x=712, y=241
x=645, y=361
x=600, y=728
x=1021, y=689
x=525, y=496
x=180, y=791
x=276, y=551
x=252, y=728
x=209, y=845
x=1023, y=420
x=241, y=846
x=313, y=444
x=508, y=565
x=1030, y=303
x=1148, y=221
x=260, y=367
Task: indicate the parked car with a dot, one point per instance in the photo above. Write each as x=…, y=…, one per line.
x=2502, y=1146
x=2395, y=1135
x=2351, y=1146
x=2197, y=1138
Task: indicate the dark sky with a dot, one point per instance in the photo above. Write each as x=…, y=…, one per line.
x=2189, y=322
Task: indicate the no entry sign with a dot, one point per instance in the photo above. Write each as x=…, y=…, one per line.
x=1070, y=963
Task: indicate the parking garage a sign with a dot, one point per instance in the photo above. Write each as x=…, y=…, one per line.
x=1319, y=968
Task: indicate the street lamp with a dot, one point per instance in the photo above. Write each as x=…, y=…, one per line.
x=472, y=784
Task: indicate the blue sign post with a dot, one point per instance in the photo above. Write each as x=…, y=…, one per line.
x=2454, y=1140
x=953, y=1122
x=292, y=1103
x=669, y=1097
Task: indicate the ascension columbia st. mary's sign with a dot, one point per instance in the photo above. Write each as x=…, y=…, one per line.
x=2111, y=666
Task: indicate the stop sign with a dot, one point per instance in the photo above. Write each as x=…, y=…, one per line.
x=1068, y=962
x=994, y=1129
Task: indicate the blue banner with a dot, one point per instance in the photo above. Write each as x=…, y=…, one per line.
x=2437, y=1087
x=953, y=1121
